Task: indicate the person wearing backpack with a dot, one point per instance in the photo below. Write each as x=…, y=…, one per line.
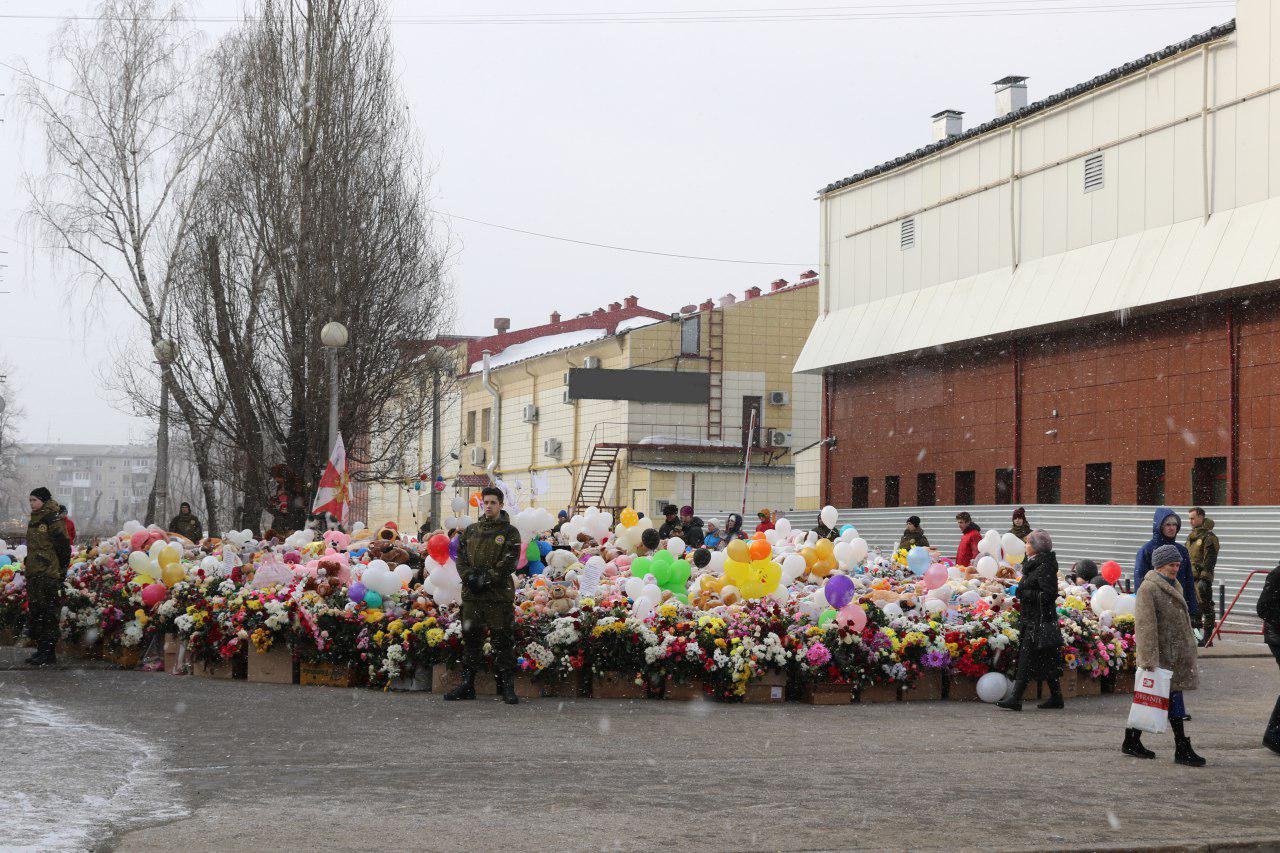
x=1269, y=611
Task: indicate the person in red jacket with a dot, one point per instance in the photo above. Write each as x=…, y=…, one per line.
x=970, y=535
x=71, y=531
x=766, y=521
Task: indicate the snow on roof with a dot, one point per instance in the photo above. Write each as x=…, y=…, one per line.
x=636, y=323
x=542, y=346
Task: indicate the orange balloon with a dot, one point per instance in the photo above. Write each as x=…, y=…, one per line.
x=822, y=568
x=475, y=499
x=810, y=556
x=739, y=551
x=824, y=548
x=760, y=550
x=759, y=535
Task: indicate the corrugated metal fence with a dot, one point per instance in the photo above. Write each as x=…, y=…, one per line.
x=1250, y=537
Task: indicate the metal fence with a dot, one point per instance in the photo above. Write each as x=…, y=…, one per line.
x=1250, y=537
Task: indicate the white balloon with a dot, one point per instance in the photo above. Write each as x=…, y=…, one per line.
x=783, y=527
x=718, y=559
x=1104, y=599
x=459, y=504
x=844, y=554
x=992, y=687
x=444, y=584
x=933, y=605
x=771, y=536
x=829, y=516
x=633, y=587
x=970, y=598
x=1126, y=605
x=987, y=567
x=810, y=539
x=859, y=546
x=892, y=610
x=990, y=544
x=676, y=546
x=1013, y=546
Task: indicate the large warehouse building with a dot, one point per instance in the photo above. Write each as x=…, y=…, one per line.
x=1073, y=303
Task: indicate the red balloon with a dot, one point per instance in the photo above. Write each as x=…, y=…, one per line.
x=438, y=548
x=153, y=594
x=1111, y=571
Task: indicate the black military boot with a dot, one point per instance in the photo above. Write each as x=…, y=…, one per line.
x=1013, y=702
x=1183, y=753
x=465, y=690
x=1133, y=745
x=1055, y=697
x=1271, y=740
x=507, y=688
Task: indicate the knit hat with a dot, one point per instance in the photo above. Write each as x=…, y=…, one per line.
x=686, y=511
x=1020, y=513
x=914, y=520
x=42, y=493
x=1165, y=555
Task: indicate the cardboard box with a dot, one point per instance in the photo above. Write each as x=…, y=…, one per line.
x=122, y=657
x=326, y=675
x=418, y=680
x=928, y=688
x=682, y=691
x=444, y=679
x=173, y=650
x=221, y=671
x=828, y=694
x=616, y=686
x=962, y=688
x=878, y=693
x=274, y=666
x=771, y=688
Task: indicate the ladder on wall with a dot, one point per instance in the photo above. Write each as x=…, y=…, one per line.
x=715, y=371
x=595, y=476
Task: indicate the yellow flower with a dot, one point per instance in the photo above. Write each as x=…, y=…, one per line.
x=143, y=618
x=379, y=637
x=396, y=626
x=139, y=614
x=1074, y=602
x=373, y=615
x=435, y=636
x=254, y=604
x=419, y=627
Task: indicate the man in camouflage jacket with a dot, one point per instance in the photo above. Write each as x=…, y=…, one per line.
x=45, y=568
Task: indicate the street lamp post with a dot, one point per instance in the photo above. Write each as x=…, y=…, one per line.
x=439, y=359
x=334, y=338
x=166, y=351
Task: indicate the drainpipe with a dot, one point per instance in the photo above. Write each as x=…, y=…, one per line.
x=1233, y=360
x=1017, y=424
x=495, y=420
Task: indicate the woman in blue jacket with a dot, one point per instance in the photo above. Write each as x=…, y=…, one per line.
x=1164, y=531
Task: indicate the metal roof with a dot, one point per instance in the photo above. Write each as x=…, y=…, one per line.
x=122, y=451
x=1053, y=100
x=712, y=469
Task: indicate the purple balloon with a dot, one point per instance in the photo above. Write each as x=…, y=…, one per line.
x=453, y=548
x=838, y=591
x=356, y=592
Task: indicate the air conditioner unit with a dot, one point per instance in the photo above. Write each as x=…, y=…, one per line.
x=779, y=398
x=591, y=362
x=552, y=447
x=477, y=455
x=779, y=438
x=531, y=414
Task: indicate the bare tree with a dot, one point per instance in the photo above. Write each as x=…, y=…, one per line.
x=126, y=140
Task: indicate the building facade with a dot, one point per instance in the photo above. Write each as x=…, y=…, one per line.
x=101, y=485
x=1074, y=302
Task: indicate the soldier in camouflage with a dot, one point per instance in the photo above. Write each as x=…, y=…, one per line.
x=45, y=568
x=1202, y=545
x=185, y=523
x=487, y=555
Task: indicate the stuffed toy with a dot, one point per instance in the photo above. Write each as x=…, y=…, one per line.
x=562, y=598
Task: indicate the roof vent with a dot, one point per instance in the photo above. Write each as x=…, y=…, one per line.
x=907, y=237
x=1011, y=94
x=502, y=324
x=1094, y=175
x=727, y=300
x=947, y=124
x=752, y=292
x=555, y=317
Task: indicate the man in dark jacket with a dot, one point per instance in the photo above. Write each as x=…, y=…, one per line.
x=671, y=525
x=1202, y=545
x=913, y=535
x=487, y=556
x=186, y=524
x=1269, y=612
x=694, y=534
x=45, y=567
x=1164, y=531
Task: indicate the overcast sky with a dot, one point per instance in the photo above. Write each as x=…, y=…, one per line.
x=701, y=139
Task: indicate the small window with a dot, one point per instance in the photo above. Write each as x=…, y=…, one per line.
x=486, y=418
x=926, y=489
x=1049, y=485
x=860, y=498
x=1004, y=486
x=691, y=335
x=966, y=488
x=1209, y=481
x=907, y=237
x=1151, y=482
x=893, y=490
x=1097, y=483
x=471, y=427
x=1093, y=172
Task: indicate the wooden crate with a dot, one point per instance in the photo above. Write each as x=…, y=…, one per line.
x=828, y=694
x=274, y=666
x=682, y=691
x=125, y=658
x=1120, y=683
x=962, y=688
x=769, y=689
x=326, y=675
x=928, y=688
x=878, y=693
x=222, y=671
x=444, y=679
x=615, y=686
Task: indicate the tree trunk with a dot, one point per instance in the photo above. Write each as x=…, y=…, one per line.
x=157, y=501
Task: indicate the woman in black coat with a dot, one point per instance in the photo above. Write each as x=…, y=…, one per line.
x=1040, y=654
x=1269, y=612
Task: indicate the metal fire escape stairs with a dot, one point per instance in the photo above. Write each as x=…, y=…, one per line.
x=715, y=372
x=595, y=477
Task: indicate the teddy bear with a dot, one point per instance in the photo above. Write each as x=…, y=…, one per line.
x=563, y=597
x=559, y=562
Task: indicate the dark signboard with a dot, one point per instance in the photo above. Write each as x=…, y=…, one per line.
x=640, y=386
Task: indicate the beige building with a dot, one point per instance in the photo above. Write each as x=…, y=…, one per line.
x=102, y=485
x=626, y=406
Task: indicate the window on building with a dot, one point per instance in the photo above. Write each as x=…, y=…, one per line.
x=926, y=489
x=966, y=488
x=1209, y=481
x=1004, y=486
x=1151, y=482
x=861, y=498
x=471, y=427
x=1049, y=484
x=1097, y=483
x=691, y=335
x=486, y=418
x=893, y=490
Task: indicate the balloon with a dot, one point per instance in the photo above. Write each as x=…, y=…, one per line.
x=935, y=576
x=372, y=600
x=144, y=579
x=1014, y=549
x=810, y=557
x=826, y=618
x=825, y=549
x=838, y=591
x=970, y=598
x=629, y=517
x=169, y=554
x=438, y=548
x=859, y=546
x=852, y=615
x=918, y=560
x=153, y=594
x=760, y=549
x=633, y=587
x=459, y=504
x=138, y=561
x=1126, y=605
x=987, y=567
x=992, y=687
x=675, y=547
x=1111, y=571
x=783, y=528
x=793, y=566
x=475, y=499
x=356, y=592
x=1104, y=599
x=829, y=516
x=156, y=547
x=739, y=551
x=933, y=605
x=990, y=544
x=822, y=568
x=755, y=579
x=172, y=574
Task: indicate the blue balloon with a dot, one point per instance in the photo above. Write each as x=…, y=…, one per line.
x=919, y=560
x=845, y=528
x=535, y=567
x=545, y=548
x=5, y=560
x=373, y=599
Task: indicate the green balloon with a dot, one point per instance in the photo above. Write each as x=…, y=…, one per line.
x=826, y=618
x=641, y=566
x=533, y=553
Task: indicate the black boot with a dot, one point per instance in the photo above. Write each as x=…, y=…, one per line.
x=1183, y=753
x=465, y=690
x=1055, y=697
x=1271, y=740
x=1133, y=745
x=507, y=688
x=1013, y=702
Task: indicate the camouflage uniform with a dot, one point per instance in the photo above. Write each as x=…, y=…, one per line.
x=45, y=568
x=187, y=525
x=1202, y=544
x=487, y=555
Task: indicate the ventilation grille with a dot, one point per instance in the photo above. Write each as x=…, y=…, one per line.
x=907, y=239
x=1093, y=173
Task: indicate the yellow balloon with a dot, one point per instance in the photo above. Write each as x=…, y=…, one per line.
x=172, y=574
x=810, y=557
x=170, y=555
x=824, y=549
x=1014, y=559
x=629, y=517
x=739, y=551
x=144, y=579
x=822, y=568
x=753, y=580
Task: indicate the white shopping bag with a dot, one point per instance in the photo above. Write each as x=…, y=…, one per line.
x=1150, y=709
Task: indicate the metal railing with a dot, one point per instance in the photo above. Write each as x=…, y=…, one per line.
x=1218, y=629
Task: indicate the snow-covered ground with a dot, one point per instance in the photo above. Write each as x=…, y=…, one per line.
x=66, y=784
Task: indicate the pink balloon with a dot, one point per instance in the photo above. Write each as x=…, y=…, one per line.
x=140, y=540
x=153, y=594
x=935, y=576
x=852, y=616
